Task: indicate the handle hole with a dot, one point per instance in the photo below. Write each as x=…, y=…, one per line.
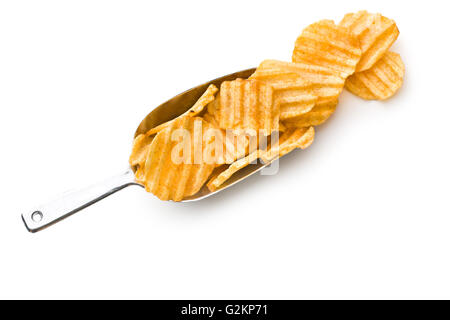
x=37, y=216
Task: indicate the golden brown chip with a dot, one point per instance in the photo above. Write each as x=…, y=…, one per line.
x=209, y=117
x=234, y=146
x=319, y=81
x=175, y=169
x=295, y=104
x=226, y=174
x=327, y=45
x=247, y=106
x=287, y=142
x=293, y=97
x=198, y=107
x=213, y=106
x=140, y=149
x=216, y=172
x=381, y=81
x=376, y=35
x=290, y=140
x=317, y=116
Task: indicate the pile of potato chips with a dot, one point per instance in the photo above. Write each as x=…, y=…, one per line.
x=274, y=111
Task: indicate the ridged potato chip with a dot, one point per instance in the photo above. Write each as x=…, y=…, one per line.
x=381, y=81
x=319, y=81
x=295, y=104
x=141, y=146
x=234, y=146
x=293, y=97
x=196, y=109
x=226, y=174
x=172, y=169
x=237, y=146
x=247, y=106
x=376, y=35
x=317, y=116
x=327, y=45
x=291, y=139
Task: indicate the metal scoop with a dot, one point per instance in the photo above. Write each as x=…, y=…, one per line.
x=43, y=216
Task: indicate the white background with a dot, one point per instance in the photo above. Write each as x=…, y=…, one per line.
x=362, y=214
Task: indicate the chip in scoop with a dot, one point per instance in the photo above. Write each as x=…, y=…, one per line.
x=197, y=108
x=141, y=146
x=175, y=169
x=226, y=174
x=317, y=116
x=291, y=139
x=247, y=107
x=234, y=146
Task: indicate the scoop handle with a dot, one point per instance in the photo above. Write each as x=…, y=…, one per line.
x=73, y=201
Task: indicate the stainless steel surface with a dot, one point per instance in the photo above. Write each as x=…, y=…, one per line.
x=72, y=202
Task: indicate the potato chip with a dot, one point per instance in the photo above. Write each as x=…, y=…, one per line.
x=234, y=146
x=239, y=146
x=317, y=116
x=290, y=140
x=327, y=45
x=221, y=178
x=213, y=106
x=381, y=81
x=209, y=117
x=217, y=171
x=287, y=142
x=295, y=104
x=293, y=97
x=376, y=35
x=247, y=106
x=196, y=109
x=138, y=156
x=172, y=170
x=140, y=149
x=322, y=82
